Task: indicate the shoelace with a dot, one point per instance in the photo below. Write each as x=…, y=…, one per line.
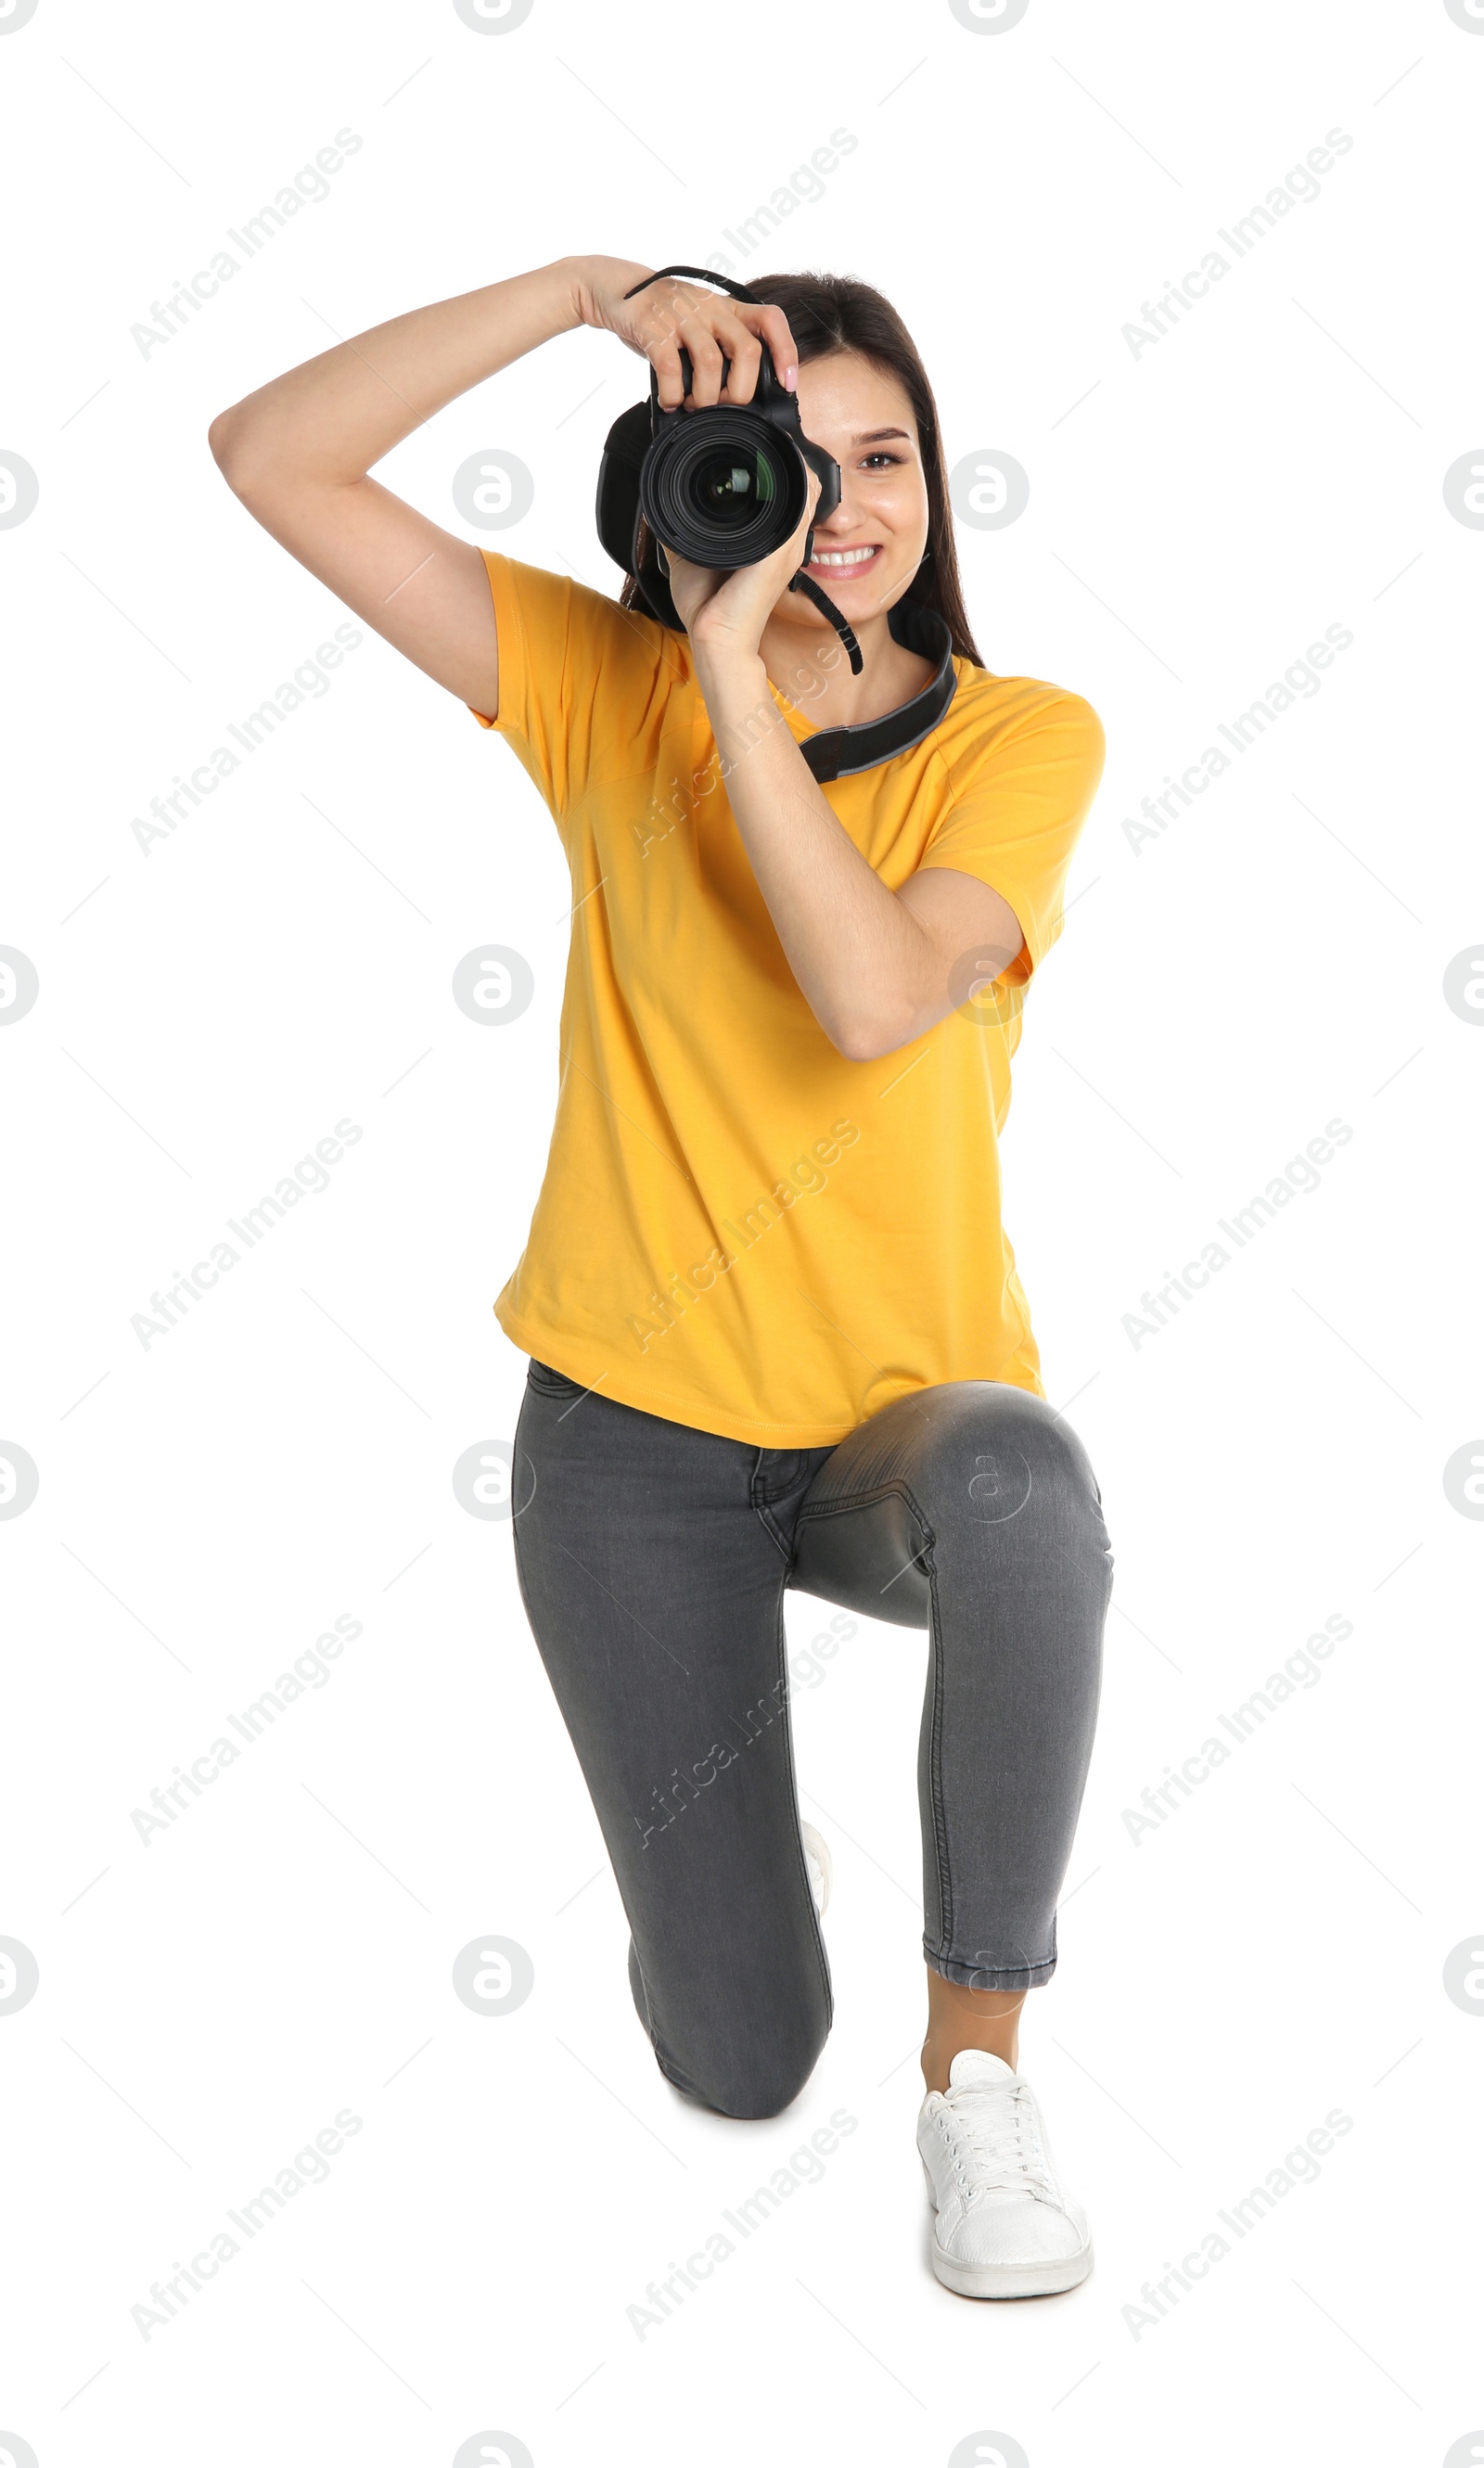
x=996, y=2128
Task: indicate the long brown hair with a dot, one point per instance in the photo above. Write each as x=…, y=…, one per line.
x=834, y=313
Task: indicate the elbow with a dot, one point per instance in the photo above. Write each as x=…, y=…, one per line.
x=858, y=1043
x=241, y=462
x=224, y=440
x=866, y=1036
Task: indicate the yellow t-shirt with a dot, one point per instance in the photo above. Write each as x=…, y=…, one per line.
x=737, y=1229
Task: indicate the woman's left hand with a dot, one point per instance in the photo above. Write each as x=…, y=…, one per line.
x=725, y=614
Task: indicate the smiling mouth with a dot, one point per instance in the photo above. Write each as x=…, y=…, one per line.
x=844, y=564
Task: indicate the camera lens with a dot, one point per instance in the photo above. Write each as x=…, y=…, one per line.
x=731, y=490
x=721, y=486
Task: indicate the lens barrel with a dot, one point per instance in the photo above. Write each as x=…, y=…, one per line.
x=722, y=486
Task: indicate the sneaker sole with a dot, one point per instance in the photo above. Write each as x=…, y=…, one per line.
x=1011, y=2279
x=1007, y=2278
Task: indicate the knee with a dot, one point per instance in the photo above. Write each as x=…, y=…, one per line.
x=756, y=2081
x=1004, y=1469
x=764, y=2088
x=745, y=2055
x=995, y=1452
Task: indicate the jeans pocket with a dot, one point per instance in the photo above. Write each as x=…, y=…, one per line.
x=550, y=1383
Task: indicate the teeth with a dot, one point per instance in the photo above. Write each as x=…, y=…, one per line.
x=842, y=557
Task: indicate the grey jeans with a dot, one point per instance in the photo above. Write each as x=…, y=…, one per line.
x=653, y=1562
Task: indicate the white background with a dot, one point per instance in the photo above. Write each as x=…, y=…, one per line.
x=1274, y=1950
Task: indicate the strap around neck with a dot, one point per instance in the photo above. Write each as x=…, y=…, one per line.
x=835, y=753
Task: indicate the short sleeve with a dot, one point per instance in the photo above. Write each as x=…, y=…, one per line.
x=1022, y=794
x=583, y=680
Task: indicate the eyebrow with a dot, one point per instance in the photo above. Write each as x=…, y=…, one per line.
x=876, y=436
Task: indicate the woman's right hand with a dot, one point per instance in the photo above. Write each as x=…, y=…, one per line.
x=666, y=314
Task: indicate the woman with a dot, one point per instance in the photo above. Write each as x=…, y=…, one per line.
x=776, y=1333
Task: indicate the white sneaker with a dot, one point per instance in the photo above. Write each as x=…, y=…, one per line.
x=821, y=1867
x=1004, y=2226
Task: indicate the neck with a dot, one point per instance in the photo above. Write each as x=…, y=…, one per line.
x=806, y=661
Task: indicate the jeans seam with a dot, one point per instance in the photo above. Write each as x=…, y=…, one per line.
x=1013, y=1970
x=762, y=1509
x=785, y=1711
x=896, y=1489
x=515, y=1536
x=935, y=1767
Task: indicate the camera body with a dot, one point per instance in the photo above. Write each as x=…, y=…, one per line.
x=722, y=486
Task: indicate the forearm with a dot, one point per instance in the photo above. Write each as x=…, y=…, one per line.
x=328, y=420
x=859, y=957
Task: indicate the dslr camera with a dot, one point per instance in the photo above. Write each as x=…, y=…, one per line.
x=722, y=486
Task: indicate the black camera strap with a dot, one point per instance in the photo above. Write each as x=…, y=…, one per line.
x=699, y=274
x=801, y=581
x=835, y=753
x=822, y=600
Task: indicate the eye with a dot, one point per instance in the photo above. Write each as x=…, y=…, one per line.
x=881, y=459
